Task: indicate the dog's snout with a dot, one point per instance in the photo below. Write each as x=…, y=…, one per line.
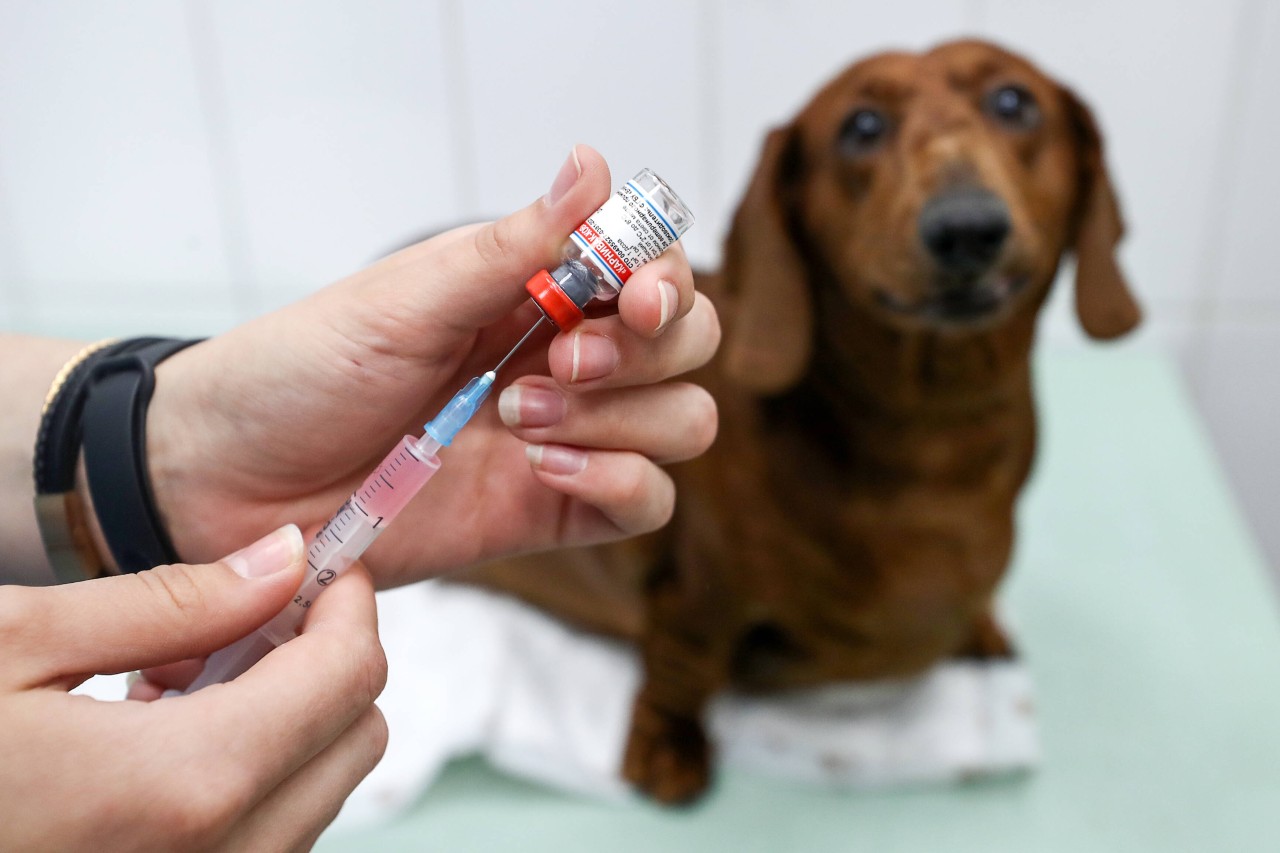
x=964, y=230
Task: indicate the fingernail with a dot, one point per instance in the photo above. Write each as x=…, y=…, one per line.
x=273, y=553
x=668, y=299
x=530, y=406
x=555, y=459
x=594, y=356
x=567, y=177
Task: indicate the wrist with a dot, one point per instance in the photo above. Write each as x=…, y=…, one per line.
x=28, y=366
x=170, y=436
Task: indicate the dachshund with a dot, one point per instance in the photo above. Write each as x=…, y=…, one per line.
x=882, y=279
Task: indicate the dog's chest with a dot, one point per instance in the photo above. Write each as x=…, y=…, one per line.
x=877, y=600
x=871, y=566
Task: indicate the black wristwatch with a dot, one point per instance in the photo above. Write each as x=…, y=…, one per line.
x=101, y=404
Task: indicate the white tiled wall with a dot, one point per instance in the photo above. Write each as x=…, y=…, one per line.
x=178, y=166
x=331, y=131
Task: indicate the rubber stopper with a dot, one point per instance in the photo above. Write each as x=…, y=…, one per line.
x=553, y=301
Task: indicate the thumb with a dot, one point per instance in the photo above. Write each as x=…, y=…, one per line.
x=166, y=614
x=478, y=277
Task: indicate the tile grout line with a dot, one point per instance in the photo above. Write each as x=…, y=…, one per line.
x=211, y=96
x=1245, y=43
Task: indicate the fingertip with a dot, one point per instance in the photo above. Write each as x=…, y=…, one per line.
x=572, y=198
x=173, y=676
x=668, y=303
x=348, y=600
x=531, y=403
x=143, y=690
x=277, y=552
x=660, y=293
x=568, y=175
x=558, y=460
x=593, y=165
x=630, y=491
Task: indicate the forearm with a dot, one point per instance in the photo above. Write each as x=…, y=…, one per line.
x=27, y=368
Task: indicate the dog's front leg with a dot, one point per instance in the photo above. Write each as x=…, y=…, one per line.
x=686, y=651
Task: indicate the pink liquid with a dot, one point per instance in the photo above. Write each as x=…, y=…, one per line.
x=394, y=483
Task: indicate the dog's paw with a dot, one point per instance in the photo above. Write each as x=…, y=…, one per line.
x=668, y=756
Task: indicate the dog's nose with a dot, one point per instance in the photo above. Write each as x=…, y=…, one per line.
x=965, y=229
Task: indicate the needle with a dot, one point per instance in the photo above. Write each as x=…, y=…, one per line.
x=519, y=344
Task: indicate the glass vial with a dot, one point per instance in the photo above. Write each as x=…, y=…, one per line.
x=634, y=226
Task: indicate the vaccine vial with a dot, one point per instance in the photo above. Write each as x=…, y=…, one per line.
x=634, y=226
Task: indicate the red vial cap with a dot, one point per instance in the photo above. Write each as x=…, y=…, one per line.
x=553, y=301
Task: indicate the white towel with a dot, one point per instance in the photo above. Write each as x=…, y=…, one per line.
x=473, y=672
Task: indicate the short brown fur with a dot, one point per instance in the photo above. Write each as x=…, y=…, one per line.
x=856, y=513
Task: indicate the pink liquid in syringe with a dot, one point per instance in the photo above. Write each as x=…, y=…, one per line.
x=353, y=529
x=394, y=483
x=369, y=510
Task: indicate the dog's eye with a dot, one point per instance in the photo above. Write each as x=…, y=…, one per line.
x=1014, y=107
x=863, y=130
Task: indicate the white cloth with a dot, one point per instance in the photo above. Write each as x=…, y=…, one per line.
x=473, y=672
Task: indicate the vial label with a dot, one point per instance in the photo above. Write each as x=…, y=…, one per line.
x=624, y=234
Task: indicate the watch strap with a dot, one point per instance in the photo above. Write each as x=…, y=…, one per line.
x=115, y=442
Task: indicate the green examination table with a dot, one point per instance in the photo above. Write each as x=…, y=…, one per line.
x=1148, y=620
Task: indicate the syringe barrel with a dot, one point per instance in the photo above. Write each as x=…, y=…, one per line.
x=323, y=568
x=351, y=531
x=638, y=223
x=338, y=544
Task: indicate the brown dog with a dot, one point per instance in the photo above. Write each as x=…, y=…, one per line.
x=882, y=281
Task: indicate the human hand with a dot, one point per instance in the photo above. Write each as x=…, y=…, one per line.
x=262, y=762
x=280, y=419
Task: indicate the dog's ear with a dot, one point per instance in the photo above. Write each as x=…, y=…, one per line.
x=1104, y=304
x=771, y=336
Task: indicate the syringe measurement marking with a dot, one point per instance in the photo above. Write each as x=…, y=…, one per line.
x=329, y=534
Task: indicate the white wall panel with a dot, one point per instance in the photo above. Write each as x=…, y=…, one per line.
x=621, y=77
x=1233, y=361
x=1239, y=394
x=1249, y=276
x=103, y=161
x=127, y=310
x=339, y=131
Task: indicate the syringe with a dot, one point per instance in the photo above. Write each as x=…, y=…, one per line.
x=361, y=520
x=633, y=227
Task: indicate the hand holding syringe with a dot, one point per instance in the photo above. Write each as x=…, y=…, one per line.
x=636, y=225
